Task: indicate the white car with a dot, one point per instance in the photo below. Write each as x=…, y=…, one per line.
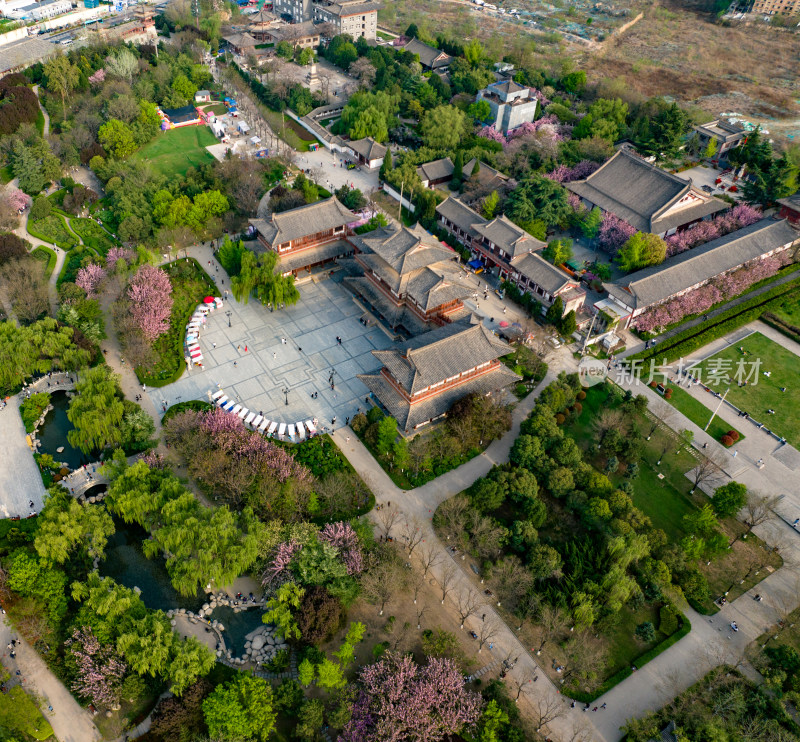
x=554, y=341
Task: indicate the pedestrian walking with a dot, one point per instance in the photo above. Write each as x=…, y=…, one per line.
x=245, y=349
x=235, y=364
x=213, y=345
x=603, y=706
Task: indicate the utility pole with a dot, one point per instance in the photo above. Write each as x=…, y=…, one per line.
x=714, y=414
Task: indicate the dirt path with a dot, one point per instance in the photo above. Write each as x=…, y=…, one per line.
x=46, y=129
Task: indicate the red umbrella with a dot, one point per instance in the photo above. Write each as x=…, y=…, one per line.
x=208, y=300
x=504, y=324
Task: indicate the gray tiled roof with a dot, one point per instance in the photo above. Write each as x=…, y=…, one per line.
x=441, y=354
x=639, y=193
x=509, y=86
x=436, y=170
x=431, y=288
x=25, y=52
x=542, y=273
x=294, y=261
x=410, y=415
x=658, y=283
x=460, y=214
x=304, y=221
x=404, y=250
x=427, y=54
x=510, y=238
x=368, y=148
x=793, y=202
x=240, y=40
x=486, y=173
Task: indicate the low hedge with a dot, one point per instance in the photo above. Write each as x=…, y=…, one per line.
x=93, y=234
x=47, y=256
x=53, y=229
x=696, y=337
x=198, y=405
x=684, y=628
x=791, y=331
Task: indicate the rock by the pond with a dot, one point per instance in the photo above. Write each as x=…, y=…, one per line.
x=258, y=642
x=60, y=449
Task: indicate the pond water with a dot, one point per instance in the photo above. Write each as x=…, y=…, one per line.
x=53, y=434
x=237, y=626
x=126, y=563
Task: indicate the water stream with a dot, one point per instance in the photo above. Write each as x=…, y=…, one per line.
x=53, y=434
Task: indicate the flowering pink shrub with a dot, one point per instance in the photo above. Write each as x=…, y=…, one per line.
x=89, y=279
x=737, y=218
x=564, y=174
x=719, y=289
x=614, y=233
x=18, y=200
x=154, y=459
x=544, y=101
x=98, y=77
x=117, y=253
x=399, y=699
x=342, y=536
x=100, y=669
x=489, y=132
x=277, y=571
x=151, y=301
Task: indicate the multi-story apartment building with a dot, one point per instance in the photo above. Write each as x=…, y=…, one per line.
x=776, y=7
x=359, y=18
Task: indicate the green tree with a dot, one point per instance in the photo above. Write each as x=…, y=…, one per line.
x=474, y=53
x=443, y=127
x=387, y=432
x=184, y=87
x=729, y=499
x=491, y=723
x=387, y=164
x=666, y=132
x=645, y=632
x=240, y=709
x=96, y=411
x=458, y=167
x=701, y=522
x=609, y=116
x=284, y=50
x=490, y=205
x=590, y=226
x=64, y=524
x=309, y=720
x=480, y=111
x=117, y=139
x=305, y=672
x=574, y=81
x=62, y=78
x=539, y=198
x=329, y=675
x=555, y=311
x=568, y=324
x=558, y=251
x=640, y=251
x=279, y=610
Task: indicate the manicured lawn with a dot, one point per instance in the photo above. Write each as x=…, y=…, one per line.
x=173, y=152
x=216, y=108
x=190, y=283
x=762, y=392
x=47, y=256
x=292, y=133
x=6, y=174
x=698, y=413
x=622, y=644
x=53, y=228
x=19, y=713
x=93, y=234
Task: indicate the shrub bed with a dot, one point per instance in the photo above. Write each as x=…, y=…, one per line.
x=47, y=256
x=190, y=283
x=93, y=234
x=53, y=229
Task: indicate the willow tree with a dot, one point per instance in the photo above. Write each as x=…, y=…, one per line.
x=258, y=276
x=96, y=411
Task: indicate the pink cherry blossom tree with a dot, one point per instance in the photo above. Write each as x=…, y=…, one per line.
x=97, y=78
x=100, y=669
x=89, y=279
x=342, y=536
x=614, y=233
x=565, y=174
x=18, y=200
x=115, y=254
x=151, y=302
x=710, y=229
x=399, y=699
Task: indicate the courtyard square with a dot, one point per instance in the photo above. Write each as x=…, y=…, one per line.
x=253, y=366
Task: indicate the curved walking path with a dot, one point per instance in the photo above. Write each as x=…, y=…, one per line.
x=46, y=129
x=70, y=722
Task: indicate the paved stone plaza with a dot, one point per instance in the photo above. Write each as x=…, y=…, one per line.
x=302, y=365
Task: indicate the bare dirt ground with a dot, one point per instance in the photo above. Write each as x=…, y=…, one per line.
x=749, y=69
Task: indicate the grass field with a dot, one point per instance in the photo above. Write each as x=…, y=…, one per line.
x=18, y=713
x=762, y=392
x=173, y=152
x=789, y=312
x=698, y=413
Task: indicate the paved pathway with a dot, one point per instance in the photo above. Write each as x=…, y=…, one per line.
x=714, y=313
x=421, y=503
x=20, y=481
x=46, y=130
x=70, y=722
